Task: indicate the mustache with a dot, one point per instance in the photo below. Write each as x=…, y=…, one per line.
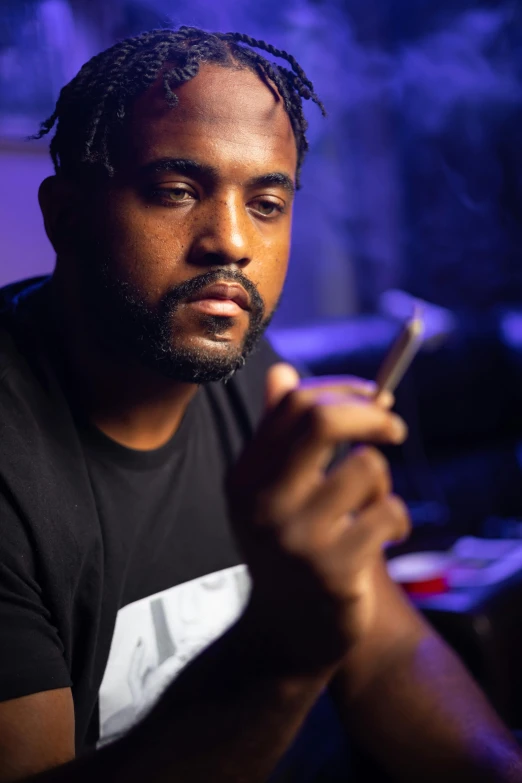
x=194, y=285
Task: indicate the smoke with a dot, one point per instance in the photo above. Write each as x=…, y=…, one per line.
x=441, y=90
x=470, y=64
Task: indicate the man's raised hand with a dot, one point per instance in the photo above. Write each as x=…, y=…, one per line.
x=313, y=537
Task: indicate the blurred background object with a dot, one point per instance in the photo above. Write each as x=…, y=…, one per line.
x=412, y=190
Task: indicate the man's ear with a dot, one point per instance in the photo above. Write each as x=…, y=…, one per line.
x=59, y=200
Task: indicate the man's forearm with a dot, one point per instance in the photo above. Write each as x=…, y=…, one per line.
x=408, y=700
x=228, y=718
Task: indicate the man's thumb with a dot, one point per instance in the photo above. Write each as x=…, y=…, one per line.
x=281, y=378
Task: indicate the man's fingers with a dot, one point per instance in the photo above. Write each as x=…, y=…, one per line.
x=385, y=521
x=297, y=440
x=289, y=400
x=361, y=479
x=385, y=398
x=347, y=385
x=297, y=458
x=331, y=419
x=354, y=539
x=281, y=379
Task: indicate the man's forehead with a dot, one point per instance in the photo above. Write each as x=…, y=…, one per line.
x=225, y=110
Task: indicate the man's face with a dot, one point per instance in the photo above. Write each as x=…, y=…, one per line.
x=202, y=196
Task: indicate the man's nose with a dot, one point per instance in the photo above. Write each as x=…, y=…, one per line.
x=222, y=233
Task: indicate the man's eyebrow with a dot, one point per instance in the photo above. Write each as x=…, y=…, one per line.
x=274, y=178
x=195, y=169
x=182, y=166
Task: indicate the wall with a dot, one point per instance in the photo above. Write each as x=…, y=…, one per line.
x=25, y=249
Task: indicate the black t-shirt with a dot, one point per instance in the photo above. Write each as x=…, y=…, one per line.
x=167, y=537
x=116, y=566
x=91, y=528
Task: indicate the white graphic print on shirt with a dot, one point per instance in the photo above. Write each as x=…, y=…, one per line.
x=155, y=637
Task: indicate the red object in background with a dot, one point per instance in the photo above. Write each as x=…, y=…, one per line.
x=421, y=573
x=438, y=584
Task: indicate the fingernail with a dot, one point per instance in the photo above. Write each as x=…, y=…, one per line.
x=386, y=399
x=399, y=430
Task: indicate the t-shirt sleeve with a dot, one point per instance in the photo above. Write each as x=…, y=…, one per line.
x=31, y=653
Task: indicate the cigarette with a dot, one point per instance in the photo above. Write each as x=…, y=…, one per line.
x=401, y=353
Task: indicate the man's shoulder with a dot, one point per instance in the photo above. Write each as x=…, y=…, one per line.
x=19, y=330
x=13, y=294
x=41, y=464
x=31, y=403
x=20, y=304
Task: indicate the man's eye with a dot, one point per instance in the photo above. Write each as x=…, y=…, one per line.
x=176, y=194
x=173, y=195
x=267, y=208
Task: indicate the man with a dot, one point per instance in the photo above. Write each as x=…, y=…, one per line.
x=143, y=466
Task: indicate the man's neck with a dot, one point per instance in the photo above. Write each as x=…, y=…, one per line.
x=126, y=400
x=133, y=411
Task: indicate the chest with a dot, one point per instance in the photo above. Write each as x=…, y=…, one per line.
x=165, y=523
x=172, y=575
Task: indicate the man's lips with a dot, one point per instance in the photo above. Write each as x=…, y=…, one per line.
x=222, y=298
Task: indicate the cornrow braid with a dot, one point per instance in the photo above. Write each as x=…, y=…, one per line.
x=296, y=68
x=268, y=73
x=92, y=108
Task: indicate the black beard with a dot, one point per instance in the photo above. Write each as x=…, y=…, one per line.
x=134, y=327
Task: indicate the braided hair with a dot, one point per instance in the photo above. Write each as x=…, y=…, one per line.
x=93, y=106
